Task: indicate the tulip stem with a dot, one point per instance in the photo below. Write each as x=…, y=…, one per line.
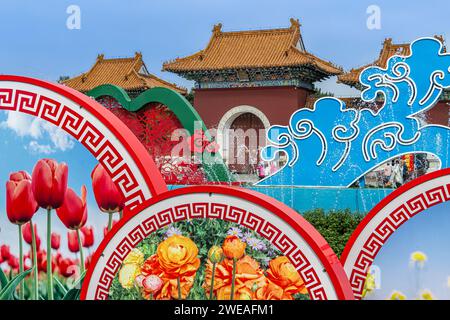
x=35, y=271
x=233, y=279
x=81, y=251
x=110, y=220
x=212, y=281
x=179, y=288
x=121, y=214
x=22, y=284
x=49, y=255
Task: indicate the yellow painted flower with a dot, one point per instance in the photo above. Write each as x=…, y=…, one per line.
x=369, y=285
x=215, y=254
x=134, y=257
x=418, y=258
x=426, y=295
x=397, y=295
x=128, y=274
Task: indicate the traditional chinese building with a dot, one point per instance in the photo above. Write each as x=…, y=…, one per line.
x=250, y=80
x=130, y=74
x=153, y=123
x=439, y=114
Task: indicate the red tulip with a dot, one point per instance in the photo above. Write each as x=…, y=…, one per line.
x=66, y=267
x=72, y=241
x=26, y=230
x=56, y=241
x=73, y=212
x=88, y=261
x=105, y=229
x=5, y=252
x=20, y=202
x=108, y=196
x=88, y=236
x=13, y=262
x=49, y=183
x=42, y=261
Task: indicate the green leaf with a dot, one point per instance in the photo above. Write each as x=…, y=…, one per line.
x=59, y=286
x=74, y=293
x=7, y=291
x=3, y=279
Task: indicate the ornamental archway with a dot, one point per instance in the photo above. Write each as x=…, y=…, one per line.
x=100, y=132
x=283, y=227
x=388, y=216
x=241, y=117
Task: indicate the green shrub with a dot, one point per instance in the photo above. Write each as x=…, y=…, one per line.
x=335, y=226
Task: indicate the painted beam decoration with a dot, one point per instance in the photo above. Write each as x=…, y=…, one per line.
x=332, y=145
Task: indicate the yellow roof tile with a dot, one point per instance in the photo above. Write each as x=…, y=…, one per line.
x=128, y=73
x=388, y=50
x=252, y=49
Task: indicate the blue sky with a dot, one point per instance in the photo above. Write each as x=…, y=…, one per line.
x=426, y=232
x=24, y=141
x=37, y=43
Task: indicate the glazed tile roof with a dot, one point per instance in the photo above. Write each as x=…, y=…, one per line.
x=388, y=50
x=127, y=73
x=252, y=49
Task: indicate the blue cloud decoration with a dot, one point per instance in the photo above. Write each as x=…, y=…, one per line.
x=334, y=145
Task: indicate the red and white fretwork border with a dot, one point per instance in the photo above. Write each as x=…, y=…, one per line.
x=100, y=132
x=322, y=280
x=389, y=215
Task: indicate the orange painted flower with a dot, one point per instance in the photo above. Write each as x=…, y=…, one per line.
x=282, y=274
x=177, y=256
x=233, y=247
x=170, y=288
x=151, y=266
x=249, y=278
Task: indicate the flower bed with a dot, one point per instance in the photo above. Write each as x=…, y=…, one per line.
x=206, y=259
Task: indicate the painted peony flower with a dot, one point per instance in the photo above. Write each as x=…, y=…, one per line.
x=128, y=274
x=134, y=257
x=283, y=274
x=152, y=284
x=177, y=256
x=249, y=278
x=233, y=247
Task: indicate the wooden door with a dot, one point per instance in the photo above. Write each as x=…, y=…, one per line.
x=244, y=143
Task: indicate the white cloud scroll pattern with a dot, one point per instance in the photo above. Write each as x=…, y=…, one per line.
x=335, y=145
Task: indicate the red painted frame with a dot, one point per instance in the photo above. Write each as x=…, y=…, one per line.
x=313, y=238
x=362, y=225
x=362, y=252
x=136, y=150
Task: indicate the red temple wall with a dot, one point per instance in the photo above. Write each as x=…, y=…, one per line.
x=439, y=114
x=277, y=103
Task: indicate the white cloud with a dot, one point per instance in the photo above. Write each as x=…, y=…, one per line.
x=27, y=126
x=35, y=147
